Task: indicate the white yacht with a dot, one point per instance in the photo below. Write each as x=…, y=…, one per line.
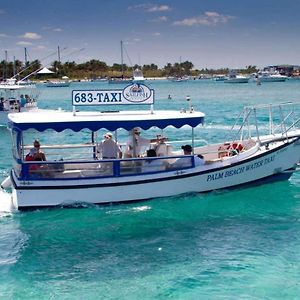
x=138, y=76
x=234, y=77
x=268, y=76
x=16, y=97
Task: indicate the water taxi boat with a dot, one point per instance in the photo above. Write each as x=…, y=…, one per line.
x=74, y=171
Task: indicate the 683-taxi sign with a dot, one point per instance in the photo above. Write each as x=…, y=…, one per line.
x=132, y=94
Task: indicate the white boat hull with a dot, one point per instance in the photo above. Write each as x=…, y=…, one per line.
x=277, y=161
x=58, y=84
x=4, y=114
x=237, y=80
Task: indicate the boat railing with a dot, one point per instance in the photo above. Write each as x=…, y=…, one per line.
x=84, y=151
x=272, y=119
x=67, y=152
x=51, y=170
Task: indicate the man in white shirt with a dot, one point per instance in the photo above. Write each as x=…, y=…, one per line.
x=136, y=145
x=184, y=162
x=109, y=148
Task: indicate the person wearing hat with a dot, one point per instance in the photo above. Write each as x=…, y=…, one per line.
x=136, y=144
x=109, y=148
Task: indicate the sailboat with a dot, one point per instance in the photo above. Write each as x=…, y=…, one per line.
x=138, y=76
x=120, y=79
x=179, y=77
x=63, y=82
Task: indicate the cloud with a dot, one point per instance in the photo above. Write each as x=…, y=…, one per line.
x=40, y=47
x=150, y=8
x=138, y=7
x=156, y=8
x=2, y=12
x=3, y=35
x=160, y=19
x=210, y=18
x=156, y=34
x=31, y=36
x=23, y=43
x=50, y=28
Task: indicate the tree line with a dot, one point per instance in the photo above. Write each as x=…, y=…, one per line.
x=98, y=69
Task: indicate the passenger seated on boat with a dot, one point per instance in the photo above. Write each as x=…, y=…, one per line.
x=152, y=165
x=161, y=148
x=186, y=162
x=198, y=159
x=27, y=98
x=136, y=145
x=6, y=104
x=40, y=170
x=34, y=169
x=35, y=153
x=109, y=148
x=14, y=104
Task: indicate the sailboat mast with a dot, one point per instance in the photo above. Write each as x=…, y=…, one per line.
x=122, y=66
x=25, y=54
x=14, y=67
x=58, y=53
x=5, y=66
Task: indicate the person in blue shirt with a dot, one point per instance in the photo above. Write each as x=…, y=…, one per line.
x=22, y=101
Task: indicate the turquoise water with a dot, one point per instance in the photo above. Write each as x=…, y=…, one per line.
x=238, y=244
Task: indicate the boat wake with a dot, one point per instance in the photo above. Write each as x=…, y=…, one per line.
x=122, y=210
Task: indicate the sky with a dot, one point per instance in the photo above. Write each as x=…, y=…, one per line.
x=208, y=33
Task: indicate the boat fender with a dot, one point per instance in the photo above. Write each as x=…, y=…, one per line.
x=6, y=183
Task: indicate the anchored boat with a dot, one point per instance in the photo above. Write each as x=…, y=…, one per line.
x=16, y=97
x=75, y=171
